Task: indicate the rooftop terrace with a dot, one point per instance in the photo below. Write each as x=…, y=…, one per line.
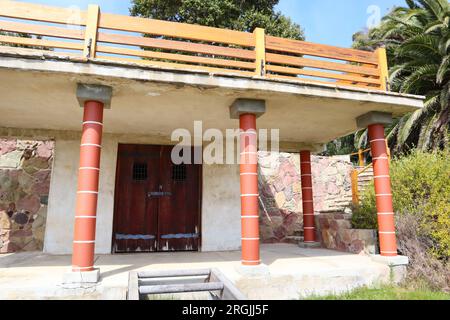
x=94, y=35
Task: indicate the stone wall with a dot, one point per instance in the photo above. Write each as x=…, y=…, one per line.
x=25, y=170
x=280, y=190
x=335, y=232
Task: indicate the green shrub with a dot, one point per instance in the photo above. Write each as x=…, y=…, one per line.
x=420, y=185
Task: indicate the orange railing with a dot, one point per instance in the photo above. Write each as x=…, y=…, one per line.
x=356, y=172
x=94, y=35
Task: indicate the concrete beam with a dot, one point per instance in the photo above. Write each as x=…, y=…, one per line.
x=243, y=106
x=25, y=59
x=373, y=117
x=296, y=147
x=94, y=92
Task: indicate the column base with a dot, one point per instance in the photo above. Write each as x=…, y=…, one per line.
x=391, y=261
x=260, y=270
x=81, y=277
x=397, y=265
x=310, y=245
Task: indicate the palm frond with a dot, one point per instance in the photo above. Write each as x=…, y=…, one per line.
x=417, y=41
x=432, y=100
x=444, y=96
x=361, y=139
x=415, y=82
x=435, y=26
x=426, y=132
x=443, y=69
x=436, y=7
x=412, y=4
x=406, y=127
x=393, y=133
x=422, y=42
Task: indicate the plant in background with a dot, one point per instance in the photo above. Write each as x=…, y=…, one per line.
x=421, y=198
x=417, y=40
x=22, y=35
x=420, y=185
x=242, y=15
x=425, y=270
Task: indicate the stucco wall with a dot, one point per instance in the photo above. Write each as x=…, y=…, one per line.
x=61, y=208
x=221, y=208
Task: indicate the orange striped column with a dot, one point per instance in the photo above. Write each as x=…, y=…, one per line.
x=87, y=191
x=309, y=229
x=383, y=192
x=249, y=190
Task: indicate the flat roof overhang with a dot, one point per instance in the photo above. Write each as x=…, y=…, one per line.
x=38, y=92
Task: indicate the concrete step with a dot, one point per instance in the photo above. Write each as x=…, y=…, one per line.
x=295, y=239
x=367, y=178
x=363, y=184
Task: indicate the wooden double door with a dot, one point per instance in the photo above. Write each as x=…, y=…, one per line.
x=157, y=203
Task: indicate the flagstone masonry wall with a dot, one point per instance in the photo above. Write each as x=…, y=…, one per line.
x=25, y=171
x=336, y=232
x=280, y=192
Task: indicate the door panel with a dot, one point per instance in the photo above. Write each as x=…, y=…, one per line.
x=136, y=217
x=178, y=213
x=157, y=203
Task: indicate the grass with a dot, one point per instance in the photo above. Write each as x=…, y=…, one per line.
x=387, y=292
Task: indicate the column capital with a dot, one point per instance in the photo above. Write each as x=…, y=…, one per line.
x=243, y=106
x=94, y=92
x=373, y=117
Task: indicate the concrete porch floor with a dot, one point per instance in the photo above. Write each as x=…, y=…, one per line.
x=294, y=272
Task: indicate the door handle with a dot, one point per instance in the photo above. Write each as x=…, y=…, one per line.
x=159, y=194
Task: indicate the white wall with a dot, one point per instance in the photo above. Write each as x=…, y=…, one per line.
x=220, y=205
x=61, y=202
x=221, y=208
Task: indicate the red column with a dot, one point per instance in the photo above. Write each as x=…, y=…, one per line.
x=87, y=191
x=249, y=190
x=385, y=210
x=309, y=229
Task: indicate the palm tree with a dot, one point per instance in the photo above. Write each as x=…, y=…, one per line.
x=417, y=40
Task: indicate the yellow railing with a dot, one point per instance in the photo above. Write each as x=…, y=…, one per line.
x=93, y=35
x=358, y=171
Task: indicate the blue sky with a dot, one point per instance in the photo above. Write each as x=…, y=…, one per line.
x=330, y=22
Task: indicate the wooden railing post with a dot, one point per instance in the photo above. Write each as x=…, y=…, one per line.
x=355, y=191
x=361, y=158
x=388, y=150
x=260, y=50
x=90, y=42
x=383, y=68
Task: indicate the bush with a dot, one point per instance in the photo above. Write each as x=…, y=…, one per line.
x=425, y=271
x=420, y=186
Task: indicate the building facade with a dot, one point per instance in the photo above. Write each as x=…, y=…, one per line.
x=112, y=110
